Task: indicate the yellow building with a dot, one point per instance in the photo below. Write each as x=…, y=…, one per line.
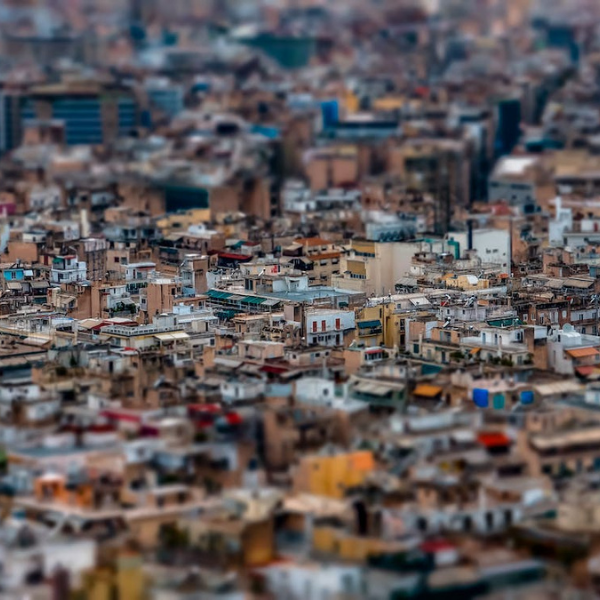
x=374, y=267
x=382, y=324
x=332, y=475
x=182, y=221
x=122, y=578
x=349, y=547
x=466, y=282
x=351, y=102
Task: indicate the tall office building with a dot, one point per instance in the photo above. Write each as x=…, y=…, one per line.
x=10, y=123
x=92, y=113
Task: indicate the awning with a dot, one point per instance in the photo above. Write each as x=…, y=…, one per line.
x=234, y=256
x=35, y=341
x=164, y=337
x=40, y=285
x=407, y=282
x=380, y=390
x=362, y=388
x=585, y=371
x=582, y=352
x=271, y=302
x=274, y=370
x=14, y=286
x=180, y=335
x=493, y=439
x=218, y=295
x=369, y=324
x=475, y=351
x=427, y=391
x=252, y=300
x=372, y=388
x=559, y=387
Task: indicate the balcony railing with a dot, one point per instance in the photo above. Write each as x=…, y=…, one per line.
x=370, y=331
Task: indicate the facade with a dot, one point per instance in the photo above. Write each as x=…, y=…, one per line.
x=67, y=269
x=329, y=327
x=91, y=114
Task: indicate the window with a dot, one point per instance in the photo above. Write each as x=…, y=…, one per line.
x=314, y=327
x=338, y=323
x=323, y=325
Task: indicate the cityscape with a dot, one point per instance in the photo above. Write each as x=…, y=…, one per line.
x=299, y=299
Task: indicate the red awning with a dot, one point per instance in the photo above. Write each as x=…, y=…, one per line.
x=493, y=439
x=233, y=418
x=205, y=408
x=273, y=369
x=101, y=326
x=433, y=546
x=118, y=416
x=101, y=429
x=232, y=256
x=585, y=371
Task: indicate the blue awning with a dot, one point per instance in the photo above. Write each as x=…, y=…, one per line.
x=369, y=324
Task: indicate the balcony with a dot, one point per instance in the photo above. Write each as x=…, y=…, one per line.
x=369, y=328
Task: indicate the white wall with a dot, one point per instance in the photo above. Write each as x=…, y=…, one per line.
x=76, y=556
x=346, y=317
x=321, y=582
x=44, y=197
x=238, y=391
x=29, y=392
x=314, y=389
x=491, y=245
